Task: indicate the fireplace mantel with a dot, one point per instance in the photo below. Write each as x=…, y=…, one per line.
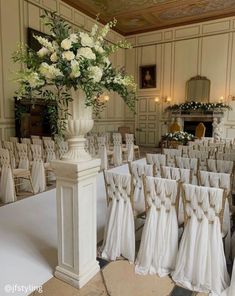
x=214, y=119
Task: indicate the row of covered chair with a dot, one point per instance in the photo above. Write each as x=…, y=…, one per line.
x=159, y=252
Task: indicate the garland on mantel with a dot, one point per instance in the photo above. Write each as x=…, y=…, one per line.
x=197, y=106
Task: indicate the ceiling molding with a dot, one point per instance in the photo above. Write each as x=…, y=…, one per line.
x=141, y=16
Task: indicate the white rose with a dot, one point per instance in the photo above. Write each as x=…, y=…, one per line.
x=54, y=57
x=42, y=52
x=66, y=44
x=86, y=52
x=73, y=37
x=95, y=73
x=86, y=40
x=94, y=30
x=68, y=55
x=75, y=67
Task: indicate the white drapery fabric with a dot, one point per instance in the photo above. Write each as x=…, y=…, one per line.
x=23, y=164
x=7, y=190
x=119, y=235
x=220, y=166
x=130, y=147
x=230, y=291
x=201, y=264
x=171, y=154
x=223, y=181
x=188, y=163
x=138, y=170
x=181, y=175
x=38, y=170
x=102, y=152
x=117, y=149
x=157, y=160
x=159, y=241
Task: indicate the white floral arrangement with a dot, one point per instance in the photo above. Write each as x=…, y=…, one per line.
x=78, y=60
x=198, y=106
x=180, y=136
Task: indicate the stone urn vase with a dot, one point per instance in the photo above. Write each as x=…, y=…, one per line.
x=78, y=126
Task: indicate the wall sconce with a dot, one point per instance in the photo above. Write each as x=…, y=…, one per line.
x=231, y=98
x=104, y=98
x=165, y=99
x=221, y=99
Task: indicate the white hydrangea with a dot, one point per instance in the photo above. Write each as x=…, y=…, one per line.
x=86, y=52
x=49, y=71
x=75, y=67
x=45, y=43
x=68, y=55
x=43, y=52
x=34, y=80
x=73, y=37
x=54, y=57
x=106, y=61
x=95, y=73
x=66, y=44
x=99, y=48
x=86, y=40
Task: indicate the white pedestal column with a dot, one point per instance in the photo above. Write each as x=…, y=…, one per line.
x=76, y=219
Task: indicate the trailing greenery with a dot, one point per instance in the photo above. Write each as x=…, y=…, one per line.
x=193, y=106
x=72, y=60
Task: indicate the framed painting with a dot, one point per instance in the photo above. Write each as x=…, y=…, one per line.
x=148, y=77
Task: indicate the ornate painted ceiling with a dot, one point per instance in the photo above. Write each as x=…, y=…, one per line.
x=136, y=16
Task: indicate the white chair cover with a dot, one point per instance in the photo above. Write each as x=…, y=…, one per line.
x=130, y=147
x=117, y=149
x=28, y=142
x=138, y=170
x=230, y=291
x=220, y=166
x=119, y=235
x=188, y=163
x=181, y=175
x=10, y=147
x=223, y=181
x=201, y=264
x=171, y=154
x=102, y=152
x=7, y=190
x=159, y=241
x=157, y=160
x=23, y=164
x=38, y=170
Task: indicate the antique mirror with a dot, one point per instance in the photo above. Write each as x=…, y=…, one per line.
x=198, y=89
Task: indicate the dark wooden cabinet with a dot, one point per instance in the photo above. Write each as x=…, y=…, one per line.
x=32, y=119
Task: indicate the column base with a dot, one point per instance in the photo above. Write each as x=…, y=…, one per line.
x=75, y=280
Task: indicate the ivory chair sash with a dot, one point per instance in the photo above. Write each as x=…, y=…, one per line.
x=188, y=163
x=220, y=166
x=117, y=149
x=171, y=153
x=130, y=147
x=119, y=235
x=201, y=264
x=28, y=142
x=159, y=241
x=157, y=160
x=10, y=147
x=38, y=170
x=7, y=190
x=223, y=181
x=137, y=171
x=181, y=175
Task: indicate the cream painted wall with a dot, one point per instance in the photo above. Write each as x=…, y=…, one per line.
x=206, y=49
x=15, y=17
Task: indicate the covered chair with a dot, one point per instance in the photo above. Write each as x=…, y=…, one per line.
x=157, y=160
x=119, y=235
x=138, y=171
x=201, y=264
x=38, y=170
x=188, y=163
x=7, y=186
x=159, y=241
x=230, y=291
x=200, y=130
x=174, y=127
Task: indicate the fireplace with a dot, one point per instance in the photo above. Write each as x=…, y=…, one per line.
x=190, y=127
x=190, y=119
